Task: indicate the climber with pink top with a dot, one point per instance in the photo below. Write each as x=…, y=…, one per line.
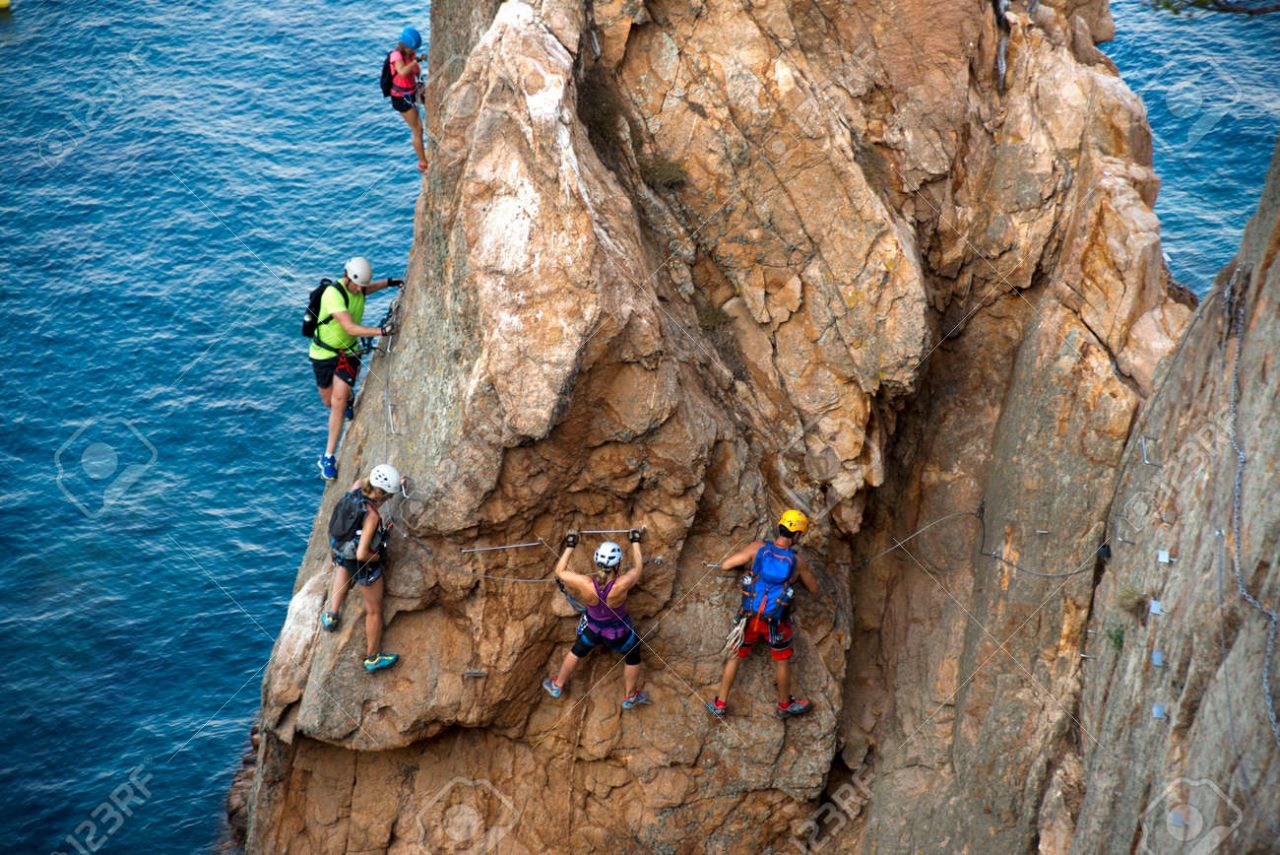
x=603, y=596
x=400, y=73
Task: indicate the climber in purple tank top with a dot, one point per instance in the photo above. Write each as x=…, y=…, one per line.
x=605, y=620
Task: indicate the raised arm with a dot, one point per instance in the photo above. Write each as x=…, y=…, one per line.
x=628, y=580
x=580, y=586
x=742, y=557
x=379, y=284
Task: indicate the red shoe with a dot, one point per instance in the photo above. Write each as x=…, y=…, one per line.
x=717, y=708
x=795, y=706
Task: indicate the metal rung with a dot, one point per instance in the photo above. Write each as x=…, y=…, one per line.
x=496, y=548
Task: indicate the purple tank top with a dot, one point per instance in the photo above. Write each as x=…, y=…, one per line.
x=611, y=623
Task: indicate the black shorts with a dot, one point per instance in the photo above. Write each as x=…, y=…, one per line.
x=402, y=103
x=345, y=367
x=365, y=574
x=588, y=639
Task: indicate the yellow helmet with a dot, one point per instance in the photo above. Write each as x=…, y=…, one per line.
x=794, y=521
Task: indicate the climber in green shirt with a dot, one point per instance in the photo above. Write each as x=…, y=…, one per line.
x=335, y=356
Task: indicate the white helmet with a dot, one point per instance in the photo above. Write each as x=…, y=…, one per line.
x=359, y=271
x=385, y=477
x=609, y=555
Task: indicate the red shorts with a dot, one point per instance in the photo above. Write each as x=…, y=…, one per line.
x=778, y=637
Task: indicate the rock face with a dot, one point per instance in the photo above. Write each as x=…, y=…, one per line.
x=684, y=266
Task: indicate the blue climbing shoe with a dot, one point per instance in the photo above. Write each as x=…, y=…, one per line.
x=329, y=620
x=328, y=467
x=350, y=412
x=794, y=706
x=380, y=660
x=553, y=688
x=717, y=708
x=634, y=700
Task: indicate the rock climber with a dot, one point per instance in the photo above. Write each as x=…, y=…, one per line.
x=405, y=72
x=335, y=357
x=604, y=594
x=357, y=542
x=766, y=608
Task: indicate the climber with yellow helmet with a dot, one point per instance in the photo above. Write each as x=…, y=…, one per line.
x=766, y=608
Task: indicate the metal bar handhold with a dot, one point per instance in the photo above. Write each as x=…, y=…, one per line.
x=607, y=531
x=495, y=548
x=475, y=672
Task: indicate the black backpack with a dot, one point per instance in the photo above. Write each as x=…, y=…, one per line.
x=348, y=517
x=386, y=76
x=311, y=318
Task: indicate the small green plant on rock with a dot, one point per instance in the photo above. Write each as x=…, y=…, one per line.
x=1115, y=634
x=663, y=173
x=712, y=317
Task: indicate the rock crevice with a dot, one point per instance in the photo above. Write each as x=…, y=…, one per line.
x=686, y=266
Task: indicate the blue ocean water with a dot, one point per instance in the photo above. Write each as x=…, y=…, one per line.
x=1211, y=84
x=174, y=178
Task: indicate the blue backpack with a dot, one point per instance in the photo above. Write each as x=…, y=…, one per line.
x=768, y=591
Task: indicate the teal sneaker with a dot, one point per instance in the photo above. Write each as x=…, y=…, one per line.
x=380, y=660
x=553, y=688
x=717, y=708
x=634, y=700
x=329, y=620
x=793, y=706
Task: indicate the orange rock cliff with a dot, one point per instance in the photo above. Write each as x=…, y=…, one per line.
x=685, y=265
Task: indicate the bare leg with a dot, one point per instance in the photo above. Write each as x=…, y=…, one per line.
x=784, y=680
x=373, y=616
x=414, y=121
x=337, y=405
x=341, y=583
x=324, y=395
x=730, y=674
x=632, y=677
x=566, y=670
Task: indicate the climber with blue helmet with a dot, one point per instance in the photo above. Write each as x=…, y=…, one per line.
x=400, y=74
x=605, y=619
x=765, y=615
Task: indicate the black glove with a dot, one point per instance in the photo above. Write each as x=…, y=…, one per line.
x=571, y=540
x=394, y=283
x=634, y=535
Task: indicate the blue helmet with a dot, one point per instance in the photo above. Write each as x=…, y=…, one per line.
x=409, y=38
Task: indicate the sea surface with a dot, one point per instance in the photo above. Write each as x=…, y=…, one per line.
x=173, y=179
